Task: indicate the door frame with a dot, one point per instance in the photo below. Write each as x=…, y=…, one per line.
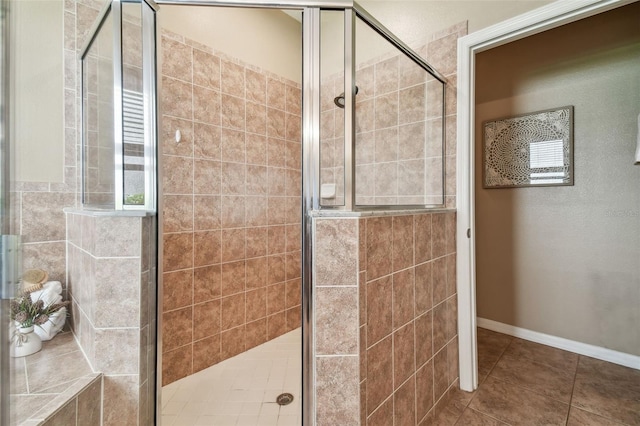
x=539, y=20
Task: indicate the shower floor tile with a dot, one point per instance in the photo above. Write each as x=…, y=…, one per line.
x=242, y=390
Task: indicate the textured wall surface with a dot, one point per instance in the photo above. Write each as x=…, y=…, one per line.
x=385, y=318
x=335, y=307
x=564, y=260
x=83, y=407
x=408, y=316
x=402, y=151
x=112, y=317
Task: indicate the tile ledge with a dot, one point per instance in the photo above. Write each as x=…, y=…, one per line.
x=367, y=213
x=74, y=388
x=109, y=213
x=60, y=401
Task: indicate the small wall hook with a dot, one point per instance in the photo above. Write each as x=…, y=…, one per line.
x=178, y=136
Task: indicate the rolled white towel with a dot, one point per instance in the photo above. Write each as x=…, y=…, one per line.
x=50, y=293
x=54, y=286
x=49, y=329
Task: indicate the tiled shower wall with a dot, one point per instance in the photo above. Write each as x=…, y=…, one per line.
x=113, y=314
x=399, y=147
x=408, y=316
x=398, y=134
x=442, y=54
x=335, y=327
x=385, y=318
x=231, y=215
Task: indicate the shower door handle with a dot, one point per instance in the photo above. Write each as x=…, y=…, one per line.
x=10, y=258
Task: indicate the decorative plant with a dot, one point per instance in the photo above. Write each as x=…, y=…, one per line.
x=28, y=313
x=134, y=199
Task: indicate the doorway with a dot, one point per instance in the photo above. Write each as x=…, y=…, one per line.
x=543, y=19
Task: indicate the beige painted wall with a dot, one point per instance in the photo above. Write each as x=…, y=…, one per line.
x=36, y=60
x=412, y=20
x=566, y=260
x=266, y=38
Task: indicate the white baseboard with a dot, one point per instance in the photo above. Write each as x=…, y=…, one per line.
x=592, y=351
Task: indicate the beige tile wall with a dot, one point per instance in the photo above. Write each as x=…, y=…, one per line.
x=399, y=146
x=335, y=325
x=385, y=318
x=332, y=137
x=408, y=316
x=231, y=215
x=407, y=346
x=82, y=407
x=111, y=283
x=442, y=54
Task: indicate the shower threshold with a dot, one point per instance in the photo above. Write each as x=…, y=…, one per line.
x=242, y=390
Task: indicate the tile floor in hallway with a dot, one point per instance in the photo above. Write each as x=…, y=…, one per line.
x=241, y=390
x=525, y=383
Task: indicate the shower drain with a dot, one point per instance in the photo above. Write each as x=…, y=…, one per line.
x=284, y=399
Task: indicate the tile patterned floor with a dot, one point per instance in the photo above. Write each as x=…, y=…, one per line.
x=521, y=383
x=40, y=378
x=525, y=383
x=240, y=391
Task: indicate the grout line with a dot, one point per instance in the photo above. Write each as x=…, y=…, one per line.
x=484, y=414
x=573, y=388
x=497, y=361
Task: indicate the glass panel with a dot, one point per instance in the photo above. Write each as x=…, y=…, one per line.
x=332, y=108
x=7, y=216
x=399, y=126
x=435, y=143
x=97, y=107
x=132, y=105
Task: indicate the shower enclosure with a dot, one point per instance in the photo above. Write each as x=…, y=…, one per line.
x=381, y=149
x=367, y=195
